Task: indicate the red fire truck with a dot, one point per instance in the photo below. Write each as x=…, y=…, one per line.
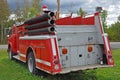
x=66, y=45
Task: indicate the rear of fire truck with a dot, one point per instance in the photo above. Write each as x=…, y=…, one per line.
x=83, y=43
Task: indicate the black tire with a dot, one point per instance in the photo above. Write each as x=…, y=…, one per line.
x=31, y=63
x=10, y=53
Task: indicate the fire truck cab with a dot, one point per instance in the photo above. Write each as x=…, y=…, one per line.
x=62, y=46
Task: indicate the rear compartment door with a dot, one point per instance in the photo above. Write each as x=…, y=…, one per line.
x=78, y=56
x=82, y=55
x=74, y=59
x=65, y=58
x=91, y=56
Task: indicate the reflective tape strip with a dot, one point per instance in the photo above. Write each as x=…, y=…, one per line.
x=45, y=9
x=53, y=46
x=106, y=42
x=43, y=62
x=34, y=37
x=22, y=55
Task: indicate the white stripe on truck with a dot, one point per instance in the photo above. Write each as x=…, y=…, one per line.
x=53, y=45
x=34, y=37
x=43, y=62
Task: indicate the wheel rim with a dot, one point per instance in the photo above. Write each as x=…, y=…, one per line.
x=30, y=64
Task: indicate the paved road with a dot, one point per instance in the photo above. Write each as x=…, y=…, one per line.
x=114, y=45
x=3, y=47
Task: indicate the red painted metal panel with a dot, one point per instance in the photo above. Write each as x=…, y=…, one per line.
x=88, y=21
x=64, y=21
x=43, y=52
x=76, y=20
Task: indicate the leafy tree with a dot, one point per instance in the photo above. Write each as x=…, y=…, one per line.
x=22, y=14
x=4, y=10
x=36, y=5
x=30, y=9
x=81, y=12
x=35, y=9
x=119, y=18
x=114, y=31
x=32, y=12
x=4, y=13
x=104, y=16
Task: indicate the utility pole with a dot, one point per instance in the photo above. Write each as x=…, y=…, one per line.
x=58, y=9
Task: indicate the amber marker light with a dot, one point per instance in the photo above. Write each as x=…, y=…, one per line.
x=90, y=48
x=64, y=51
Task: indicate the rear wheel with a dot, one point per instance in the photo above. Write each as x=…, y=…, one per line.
x=31, y=63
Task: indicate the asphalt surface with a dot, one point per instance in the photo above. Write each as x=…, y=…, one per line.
x=114, y=45
x=3, y=47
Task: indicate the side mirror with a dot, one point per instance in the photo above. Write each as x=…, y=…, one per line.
x=8, y=32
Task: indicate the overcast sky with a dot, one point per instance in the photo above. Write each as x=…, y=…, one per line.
x=67, y=6
x=112, y=6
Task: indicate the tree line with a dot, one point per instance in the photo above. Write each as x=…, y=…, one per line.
x=20, y=14
x=114, y=31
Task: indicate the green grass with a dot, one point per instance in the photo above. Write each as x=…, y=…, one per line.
x=15, y=70
x=111, y=73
